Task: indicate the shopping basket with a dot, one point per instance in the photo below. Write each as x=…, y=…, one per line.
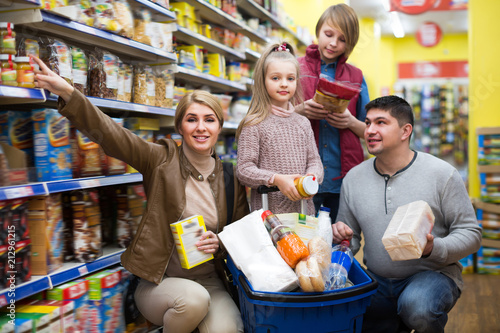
x=331, y=311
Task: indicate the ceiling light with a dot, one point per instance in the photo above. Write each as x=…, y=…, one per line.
x=397, y=27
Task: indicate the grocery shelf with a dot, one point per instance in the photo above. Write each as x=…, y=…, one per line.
x=16, y=5
x=69, y=271
x=213, y=81
x=252, y=55
x=45, y=188
x=57, y=25
x=215, y=15
x=254, y=9
x=158, y=13
x=17, y=95
x=187, y=36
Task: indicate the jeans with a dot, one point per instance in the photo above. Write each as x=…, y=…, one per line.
x=420, y=302
x=330, y=200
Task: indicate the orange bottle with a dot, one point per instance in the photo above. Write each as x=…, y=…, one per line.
x=306, y=185
x=291, y=248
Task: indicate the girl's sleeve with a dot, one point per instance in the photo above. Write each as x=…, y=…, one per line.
x=115, y=140
x=314, y=164
x=249, y=152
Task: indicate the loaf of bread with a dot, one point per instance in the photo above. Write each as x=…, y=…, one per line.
x=406, y=235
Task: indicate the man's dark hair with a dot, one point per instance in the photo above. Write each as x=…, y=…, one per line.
x=396, y=106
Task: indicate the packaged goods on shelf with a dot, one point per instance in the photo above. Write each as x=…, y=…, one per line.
x=66, y=319
x=488, y=260
x=183, y=9
x=45, y=221
x=86, y=158
x=131, y=201
x=20, y=133
x=13, y=166
x=125, y=82
x=144, y=85
x=196, y=53
x=217, y=65
x=77, y=292
x=57, y=56
x=111, y=165
x=124, y=18
x=53, y=312
x=105, y=302
x=52, y=146
x=23, y=261
x=79, y=67
x=106, y=17
x=19, y=218
x=142, y=18
x=86, y=218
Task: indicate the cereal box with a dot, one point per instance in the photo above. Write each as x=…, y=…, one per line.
x=46, y=230
x=40, y=321
x=111, y=165
x=52, y=147
x=76, y=291
x=105, y=302
x=54, y=313
x=186, y=233
x=23, y=261
x=20, y=133
x=86, y=155
x=67, y=313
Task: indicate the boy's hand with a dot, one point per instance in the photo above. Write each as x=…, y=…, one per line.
x=312, y=110
x=340, y=120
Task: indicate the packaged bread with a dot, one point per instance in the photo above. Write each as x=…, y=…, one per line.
x=335, y=95
x=406, y=235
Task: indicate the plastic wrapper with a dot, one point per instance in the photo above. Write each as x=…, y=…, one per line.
x=102, y=74
x=160, y=89
x=28, y=47
x=80, y=69
x=150, y=86
x=124, y=18
x=105, y=17
x=140, y=85
x=128, y=82
x=86, y=11
x=120, y=92
x=142, y=18
x=57, y=56
x=335, y=95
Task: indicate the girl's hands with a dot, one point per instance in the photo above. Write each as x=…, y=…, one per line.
x=208, y=243
x=47, y=79
x=287, y=186
x=312, y=110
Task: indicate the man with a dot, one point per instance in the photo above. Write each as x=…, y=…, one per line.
x=413, y=294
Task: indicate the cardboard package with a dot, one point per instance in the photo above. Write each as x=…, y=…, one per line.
x=406, y=235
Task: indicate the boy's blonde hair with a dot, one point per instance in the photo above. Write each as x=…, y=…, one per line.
x=343, y=18
x=260, y=105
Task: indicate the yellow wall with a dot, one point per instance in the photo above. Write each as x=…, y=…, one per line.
x=451, y=47
x=484, y=77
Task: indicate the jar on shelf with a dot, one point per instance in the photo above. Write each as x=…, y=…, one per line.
x=7, y=38
x=9, y=67
x=25, y=73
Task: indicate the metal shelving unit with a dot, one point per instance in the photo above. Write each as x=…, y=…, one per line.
x=17, y=95
x=217, y=83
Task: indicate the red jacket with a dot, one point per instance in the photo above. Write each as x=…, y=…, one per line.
x=351, y=152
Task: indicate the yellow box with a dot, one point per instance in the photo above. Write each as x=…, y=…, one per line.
x=197, y=52
x=217, y=64
x=142, y=124
x=186, y=234
x=183, y=9
x=205, y=30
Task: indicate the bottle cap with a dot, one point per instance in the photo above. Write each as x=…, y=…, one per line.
x=265, y=214
x=345, y=242
x=326, y=209
x=22, y=59
x=310, y=185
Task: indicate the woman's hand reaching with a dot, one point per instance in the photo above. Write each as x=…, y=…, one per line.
x=47, y=79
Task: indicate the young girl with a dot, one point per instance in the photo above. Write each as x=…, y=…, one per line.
x=275, y=144
x=337, y=134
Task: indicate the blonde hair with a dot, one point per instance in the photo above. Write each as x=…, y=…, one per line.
x=343, y=18
x=198, y=97
x=260, y=105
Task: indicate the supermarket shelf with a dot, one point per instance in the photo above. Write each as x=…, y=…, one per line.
x=45, y=188
x=491, y=242
x=213, y=81
x=68, y=272
x=114, y=105
x=16, y=5
x=54, y=24
x=193, y=38
x=254, y=9
x=251, y=55
x=488, y=168
x=158, y=13
x=215, y=15
x=17, y=95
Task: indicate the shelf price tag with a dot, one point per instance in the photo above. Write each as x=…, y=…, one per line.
x=18, y=192
x=119, y=39
x=83, y=270
x=87, y=183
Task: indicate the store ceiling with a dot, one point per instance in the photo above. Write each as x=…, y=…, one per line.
x=451, y=21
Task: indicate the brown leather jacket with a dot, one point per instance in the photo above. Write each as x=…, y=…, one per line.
x=165, y=170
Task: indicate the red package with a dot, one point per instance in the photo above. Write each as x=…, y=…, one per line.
x=342, y=90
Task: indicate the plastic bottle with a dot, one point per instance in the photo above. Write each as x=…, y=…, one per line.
x=291, y=248
x=306, y=185
x=339, y=267
x=325, y=225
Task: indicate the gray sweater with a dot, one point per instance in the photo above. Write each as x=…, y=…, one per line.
x=369, y=199
x=277, y=145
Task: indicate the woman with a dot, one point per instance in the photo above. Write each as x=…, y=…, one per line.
x=179, y=182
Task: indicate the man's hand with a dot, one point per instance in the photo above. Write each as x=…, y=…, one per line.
x=341, y=231
x=429, y=246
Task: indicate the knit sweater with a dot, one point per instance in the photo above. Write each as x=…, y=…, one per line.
x=277, y=145
x=368, y=200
